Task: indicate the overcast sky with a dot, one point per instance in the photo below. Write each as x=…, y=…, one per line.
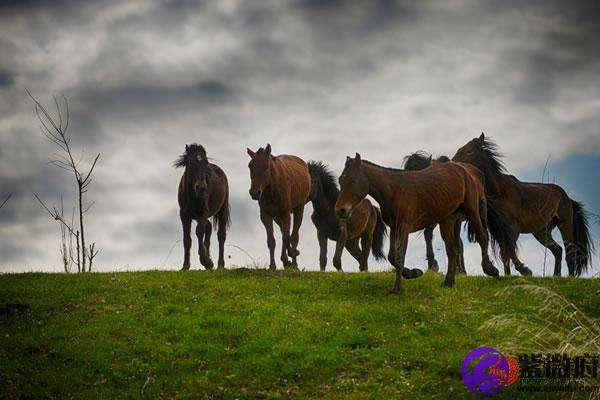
x=319, y=79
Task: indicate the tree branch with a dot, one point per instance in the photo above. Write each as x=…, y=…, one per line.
x=6, y=200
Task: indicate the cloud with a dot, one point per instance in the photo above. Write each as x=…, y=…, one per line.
x=320, y=79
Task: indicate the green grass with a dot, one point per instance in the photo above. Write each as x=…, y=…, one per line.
x=251, y=334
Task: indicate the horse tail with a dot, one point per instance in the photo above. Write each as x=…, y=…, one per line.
x=501, y=234
x=223, y=217
x=378, y=236
x=584, y=246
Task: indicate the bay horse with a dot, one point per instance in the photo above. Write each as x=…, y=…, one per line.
x=203, y=193
x=415, y=162
x=410, y=201
x=364, y=225
x=281, y=185
x=535, y=208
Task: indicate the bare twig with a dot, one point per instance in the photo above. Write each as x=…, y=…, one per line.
x=55, y=130
x=6, y=200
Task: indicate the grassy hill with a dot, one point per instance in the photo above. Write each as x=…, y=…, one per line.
x=254, y=334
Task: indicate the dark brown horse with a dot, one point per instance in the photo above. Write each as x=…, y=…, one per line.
x=364, y=225
x=535, y=208
x=281, y=185
x=411, y=201
x=203, y=193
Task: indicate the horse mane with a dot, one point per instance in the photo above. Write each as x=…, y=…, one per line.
x=330, y=189
x=385, y=168
x=192, y=151
x=416, y=161
x=493, y=156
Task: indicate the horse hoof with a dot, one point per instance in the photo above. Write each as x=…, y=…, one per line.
x=447, y=283
x=293, y=253
x=490, y=270
x=272, y=267
x=337, y=264
x=185, y=268
x=395, y=290
x=524, y=271
x=408, y=273
x=433, y=266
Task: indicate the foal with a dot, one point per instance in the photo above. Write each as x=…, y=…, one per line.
x=203, y=193
x=281, y=185
x=411, y=201
x=364, y=225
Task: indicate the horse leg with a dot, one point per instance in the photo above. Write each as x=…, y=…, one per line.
x=460, y=259
x=519, y=266
x=284, y=226
x=566, y=231
x=473, y=210
x=366, y=243
x=207, y=235
x=432, y=264
x=505, y=256
x=545, y=238
x=221, y=236
x=202, y=252
x=322, y=250
x=340, y=244
x=268, y=223
x=298, y=213
x=448, y=232
x=354, y=250
x=186, y=223
x=398, y=244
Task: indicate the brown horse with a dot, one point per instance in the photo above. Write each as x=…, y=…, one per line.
x=364, y=225
x=411, y=201
x=281, y=185
x=203, y=193
x=535, y=208
x=415, y=162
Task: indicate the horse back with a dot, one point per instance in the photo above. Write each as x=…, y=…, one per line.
x=294, y=178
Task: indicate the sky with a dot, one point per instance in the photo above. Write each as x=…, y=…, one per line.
x=318, y=79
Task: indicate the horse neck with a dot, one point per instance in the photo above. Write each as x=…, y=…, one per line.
x=380, y=180
x=274, y=177
x=321, y=204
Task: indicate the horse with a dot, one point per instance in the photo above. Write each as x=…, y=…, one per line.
x=203, y=193
x=411, y=201
x=415, y=162
x=535, y=208
x=281, y=185
x=364, y=225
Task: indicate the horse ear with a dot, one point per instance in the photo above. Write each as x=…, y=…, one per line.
x=268, y=149
x=187, y=148
x=357, y=157
x=482, y=138
x=250, y=152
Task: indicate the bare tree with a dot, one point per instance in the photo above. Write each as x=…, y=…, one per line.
x=5, y=200
x=55, y=129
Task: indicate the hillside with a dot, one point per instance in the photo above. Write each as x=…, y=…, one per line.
x=252, y=334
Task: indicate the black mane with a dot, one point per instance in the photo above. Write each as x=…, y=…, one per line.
x=493, y=156
x=192, y=152
x=416, y=161
x=379, y=166
x=330, y=189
